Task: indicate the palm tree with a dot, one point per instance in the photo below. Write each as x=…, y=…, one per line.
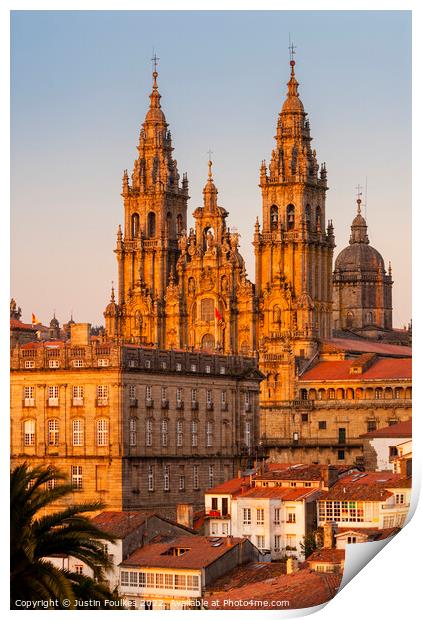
x=34, y=538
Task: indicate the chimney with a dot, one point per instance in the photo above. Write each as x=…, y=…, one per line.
x=329, y=529
x=184, y=515
x=291, y=566
x=329, y=475
x=80, y=334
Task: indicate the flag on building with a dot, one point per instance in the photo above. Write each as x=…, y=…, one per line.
x=35, y=321
x=218, y=315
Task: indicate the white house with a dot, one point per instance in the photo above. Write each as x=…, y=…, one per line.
x=275, y=519
x=381, y=445
x=374, y=500
x=174, y=574
x=132, y=530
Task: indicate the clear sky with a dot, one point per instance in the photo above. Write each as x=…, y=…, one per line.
x=80, y=86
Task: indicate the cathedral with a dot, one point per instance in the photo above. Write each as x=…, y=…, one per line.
x=181, y=288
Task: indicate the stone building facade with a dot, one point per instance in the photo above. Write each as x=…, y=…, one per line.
x=135, y=427
x=336, y=403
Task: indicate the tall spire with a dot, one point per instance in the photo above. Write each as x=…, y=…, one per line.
x=210, y=191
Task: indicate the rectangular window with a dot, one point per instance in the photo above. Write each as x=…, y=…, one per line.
x=180, y=582
x=53, y=363
x=194, y=428
x=291, y=517
x=178, y=367
x=133, y=579
x=53, y=432
x=29, y=364
x=102, y=432
x=159, y=580
x=142, y=579
x=132, y=392
x=260, y=516
x=193, y=367
x=248, y=434
x=181, y=482
x=168, y=581
x=166, y=478
x=305, y=417
x=196, y=477
x=277, y=542
x=148, y=434
x=208, y=369
x=103, y=362
x=179, y=433
x=223, y=397
x=322, y=425
x=124, y=578
x=340, y=455
x=209, y=397
x=222, y=370
x=276, y=516
x=163, y=393
x=194, y=395
x=29, y=432
x=179, y=394
x=77, y=395
x=53, y=395
x=102, y=395
x=147, y=363
x=148, y=392
x=77, y=432
x=150, y=580
x=371, y=425
x=132, y=432
x=76, y=476
x=260, y=542
x=211, y=469
x=150, y=478
x=192, y=582
x=224, y=528
x=163, y=365
x=210, y=427
x=28, y=395
x=164, y=433
x=214, y=528
x=399, y=498
x=247, y=516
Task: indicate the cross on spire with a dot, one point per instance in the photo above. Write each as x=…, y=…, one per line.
x=292, y=49
x=359, y=194
x=154, y=61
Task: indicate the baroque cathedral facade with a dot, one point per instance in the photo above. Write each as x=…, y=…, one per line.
x=188, y=289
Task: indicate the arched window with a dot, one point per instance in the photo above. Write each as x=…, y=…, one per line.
x=102, y=432
x=303, y=394
x=378, y=393
x=321, y=394
x=349, y=320
x=312, y=394
x=207, y=309
x=77, y=432
x=369, y=318
x=29, y=432
x=340, y=394
x=135, y=225
x=179, y=224
x=208, y=238
x=53, y=432
x=151, y=224
x=318, y=217
x=208, y=342
x=168, y=222
x=308, y=217
x=331, y=394
x=274, y=217
x=290, y=217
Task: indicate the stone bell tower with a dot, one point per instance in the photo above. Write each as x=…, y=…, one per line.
x=293, y=251
x=155, y=215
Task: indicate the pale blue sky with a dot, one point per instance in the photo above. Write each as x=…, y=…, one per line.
x=80, y=86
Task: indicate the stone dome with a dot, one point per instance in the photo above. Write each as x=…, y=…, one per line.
x=359, y=257
x=292, y=104
x=54, y=322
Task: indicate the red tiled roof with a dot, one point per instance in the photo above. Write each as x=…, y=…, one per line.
x=121, y=523
x=201, y=552
x=384, y=368
x=301, y=589
x=230, y=487
x=401, y=429
x=16, y=324
x=370, y=532
x=373, y=486
x=367, y=346
x=327, y=556
x=284, y=493
x=300, y=472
